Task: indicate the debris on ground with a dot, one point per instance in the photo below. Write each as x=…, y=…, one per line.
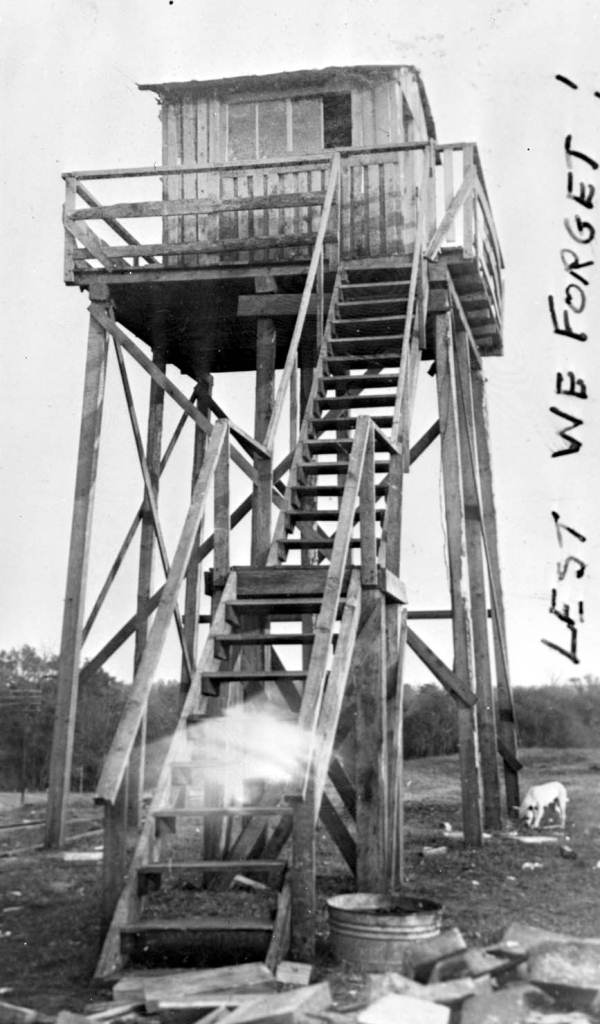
x=530, y=976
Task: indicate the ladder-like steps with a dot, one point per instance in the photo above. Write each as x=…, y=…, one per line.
x=280, y=606
x=368, y=361
x=373, y=326
x=328, y=515
x=366, y=344
x=150, y=876
x=166, y=818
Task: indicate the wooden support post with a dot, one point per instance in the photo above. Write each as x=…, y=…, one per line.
x=486, y=716
x=194, y=573
x=70, y=650
x=153, y=455
x=461, y=622
x=368, y=681
x=303, y=877
x=507, y=731
x=114, y=855
x=265, y=396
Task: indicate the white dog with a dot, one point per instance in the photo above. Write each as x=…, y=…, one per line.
x=538, y=798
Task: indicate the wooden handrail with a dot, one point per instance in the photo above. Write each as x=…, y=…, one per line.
x=316, y=160
x=173, y=207
x=304, y=303
x=119, y=230
x=314, y=686
x=117, y=759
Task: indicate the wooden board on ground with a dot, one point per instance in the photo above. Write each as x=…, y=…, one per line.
x=281, y=1007
x=185, y=985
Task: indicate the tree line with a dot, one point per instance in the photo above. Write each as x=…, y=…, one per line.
x=554, y=715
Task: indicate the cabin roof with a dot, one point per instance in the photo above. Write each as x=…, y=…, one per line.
x=366, y=74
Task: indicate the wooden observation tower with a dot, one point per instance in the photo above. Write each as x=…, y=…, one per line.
x=309, y=228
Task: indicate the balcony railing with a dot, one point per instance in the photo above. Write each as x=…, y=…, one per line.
x=268, y=212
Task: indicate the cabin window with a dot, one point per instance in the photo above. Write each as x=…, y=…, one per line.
x=272, y=128
x=337, y=120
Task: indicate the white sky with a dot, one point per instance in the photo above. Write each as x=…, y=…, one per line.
x=69, y=74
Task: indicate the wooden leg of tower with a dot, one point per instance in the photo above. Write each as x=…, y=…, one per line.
x=114, y=856
x=461, y=612
x=486, y=714
x=395, y=637
x=265, y=395
x=147, y=544
x=304, y=880
x=507, y=733
x=193, y=576
x=70, y=650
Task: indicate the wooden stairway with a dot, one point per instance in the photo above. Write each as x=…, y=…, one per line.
x=280, y=648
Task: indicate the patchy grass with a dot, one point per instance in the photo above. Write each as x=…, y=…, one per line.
x=49, y=909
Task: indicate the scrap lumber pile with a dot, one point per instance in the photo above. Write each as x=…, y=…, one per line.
x=530, y=976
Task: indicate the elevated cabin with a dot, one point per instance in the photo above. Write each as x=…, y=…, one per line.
x=246, y=170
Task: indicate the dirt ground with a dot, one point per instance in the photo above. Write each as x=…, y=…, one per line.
x=49, y=934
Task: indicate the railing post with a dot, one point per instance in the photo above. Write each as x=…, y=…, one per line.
x=70, y=243
x=469, y=206
x=221, y=521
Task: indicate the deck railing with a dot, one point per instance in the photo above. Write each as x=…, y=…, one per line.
x=268, y=212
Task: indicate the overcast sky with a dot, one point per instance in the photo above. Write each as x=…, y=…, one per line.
x=69, y=74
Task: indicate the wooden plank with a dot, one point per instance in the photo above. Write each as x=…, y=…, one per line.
x=151, y=460
x=338, y=832
x=70, y=650
x=209, y=981
x=303, y=877
x=369, y=686
x=461, y=623
x=486, y=717
x=507, y=734
x=424, y=441
x=284, y=1007
x=469, y=220
x=113, y=256
x=450, y=680
x=221, y=519
x=114, y=225
x=94, y=247
x=264, y=398
x=192, y=206
x=193, y=575
x=114, y=855
x=70, y=243
x=368, y=524
x=115, y=763
x=336, y=686
x=280, y=939
x=313, y=689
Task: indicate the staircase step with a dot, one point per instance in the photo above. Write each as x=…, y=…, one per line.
x=149, y=876
x=196, y=941
x=293, y=606
x=262, y=639
x=336, y=468
x=367, y=343
x=331, y=490
x=365, y=305
x=211, y=681
x=300, y=544
x=360, y=287
x=369, y=361
x=365, y=380
x=357, y=401
x=327, y=515
x=282, y=580
x=348, y=423
x=368, y=326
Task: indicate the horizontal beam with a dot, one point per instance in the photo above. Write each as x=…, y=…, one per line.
x=435, y=613
x=171, y=207
x=277, y=304
x=449, y=680
x=248, y=243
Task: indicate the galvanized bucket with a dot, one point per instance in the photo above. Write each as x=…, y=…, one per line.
x=375, y=931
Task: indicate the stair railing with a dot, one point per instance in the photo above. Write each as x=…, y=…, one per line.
x=315, y=267
x=359, y=487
